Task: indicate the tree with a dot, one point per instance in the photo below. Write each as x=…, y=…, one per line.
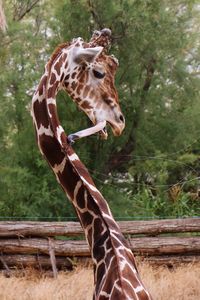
x=3, y=24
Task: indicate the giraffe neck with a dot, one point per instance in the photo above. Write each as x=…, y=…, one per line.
x=116, y=275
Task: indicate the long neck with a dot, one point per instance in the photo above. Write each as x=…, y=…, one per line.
x=116, y=275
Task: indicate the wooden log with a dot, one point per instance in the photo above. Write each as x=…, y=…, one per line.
x=43, y=261
x=154, y=227
x=168, y=260
x=38, y=261
x=22, y=229
x=165, y=245
x=172, y=260
x=39, y=245
x=141, y=246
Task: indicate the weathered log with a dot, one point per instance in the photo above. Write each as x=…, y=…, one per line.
x=153, y=227
x=36, y=261
x=172, y=260
x=39, y=245
x=162, y=260
x=22, y=229
x=165, y=245
x=141, y=246
x=43, y=261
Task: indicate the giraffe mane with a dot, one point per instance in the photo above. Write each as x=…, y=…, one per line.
x=56, y=52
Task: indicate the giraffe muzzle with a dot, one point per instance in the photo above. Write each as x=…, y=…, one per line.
x=117, y=124
x=117, y=129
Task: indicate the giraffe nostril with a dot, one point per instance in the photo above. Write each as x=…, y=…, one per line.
x=121, y=117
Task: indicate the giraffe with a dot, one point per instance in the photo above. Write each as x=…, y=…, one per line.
x=86, y=72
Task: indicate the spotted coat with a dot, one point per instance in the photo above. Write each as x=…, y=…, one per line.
x=115, y=273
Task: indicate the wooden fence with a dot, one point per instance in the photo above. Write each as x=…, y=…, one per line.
x=55, y=244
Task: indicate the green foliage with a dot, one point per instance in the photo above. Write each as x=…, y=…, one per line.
x=158, y=84
x=148, y=202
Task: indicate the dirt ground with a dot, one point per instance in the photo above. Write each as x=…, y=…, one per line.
x=180, y=283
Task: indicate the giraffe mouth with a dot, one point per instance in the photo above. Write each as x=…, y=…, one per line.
x=115, y=129
x=103, y=133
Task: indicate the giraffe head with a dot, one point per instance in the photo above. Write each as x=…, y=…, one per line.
x=89, y=81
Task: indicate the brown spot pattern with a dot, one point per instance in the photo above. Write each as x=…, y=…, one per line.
x=57, y=66
x=53, y=78
x=86, y=91
x=42, y=85
x=74, y=85
x=86, y=105
x=108, y=274
x=52, y=90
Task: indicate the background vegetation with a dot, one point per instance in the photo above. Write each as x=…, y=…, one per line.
x=153, y=169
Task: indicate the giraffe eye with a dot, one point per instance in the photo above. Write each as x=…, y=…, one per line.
x=98, y=74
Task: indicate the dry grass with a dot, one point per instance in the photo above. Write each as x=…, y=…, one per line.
x=180, y=283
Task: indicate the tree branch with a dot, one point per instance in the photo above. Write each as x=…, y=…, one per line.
x=95, y=14
x=23, y=9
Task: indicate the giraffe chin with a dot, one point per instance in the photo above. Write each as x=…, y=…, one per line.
x=115, y=130
x=103, y=134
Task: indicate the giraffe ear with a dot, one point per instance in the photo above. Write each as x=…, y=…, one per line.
x=87, y=54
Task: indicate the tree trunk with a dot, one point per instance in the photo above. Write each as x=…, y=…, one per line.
x=3, y=24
